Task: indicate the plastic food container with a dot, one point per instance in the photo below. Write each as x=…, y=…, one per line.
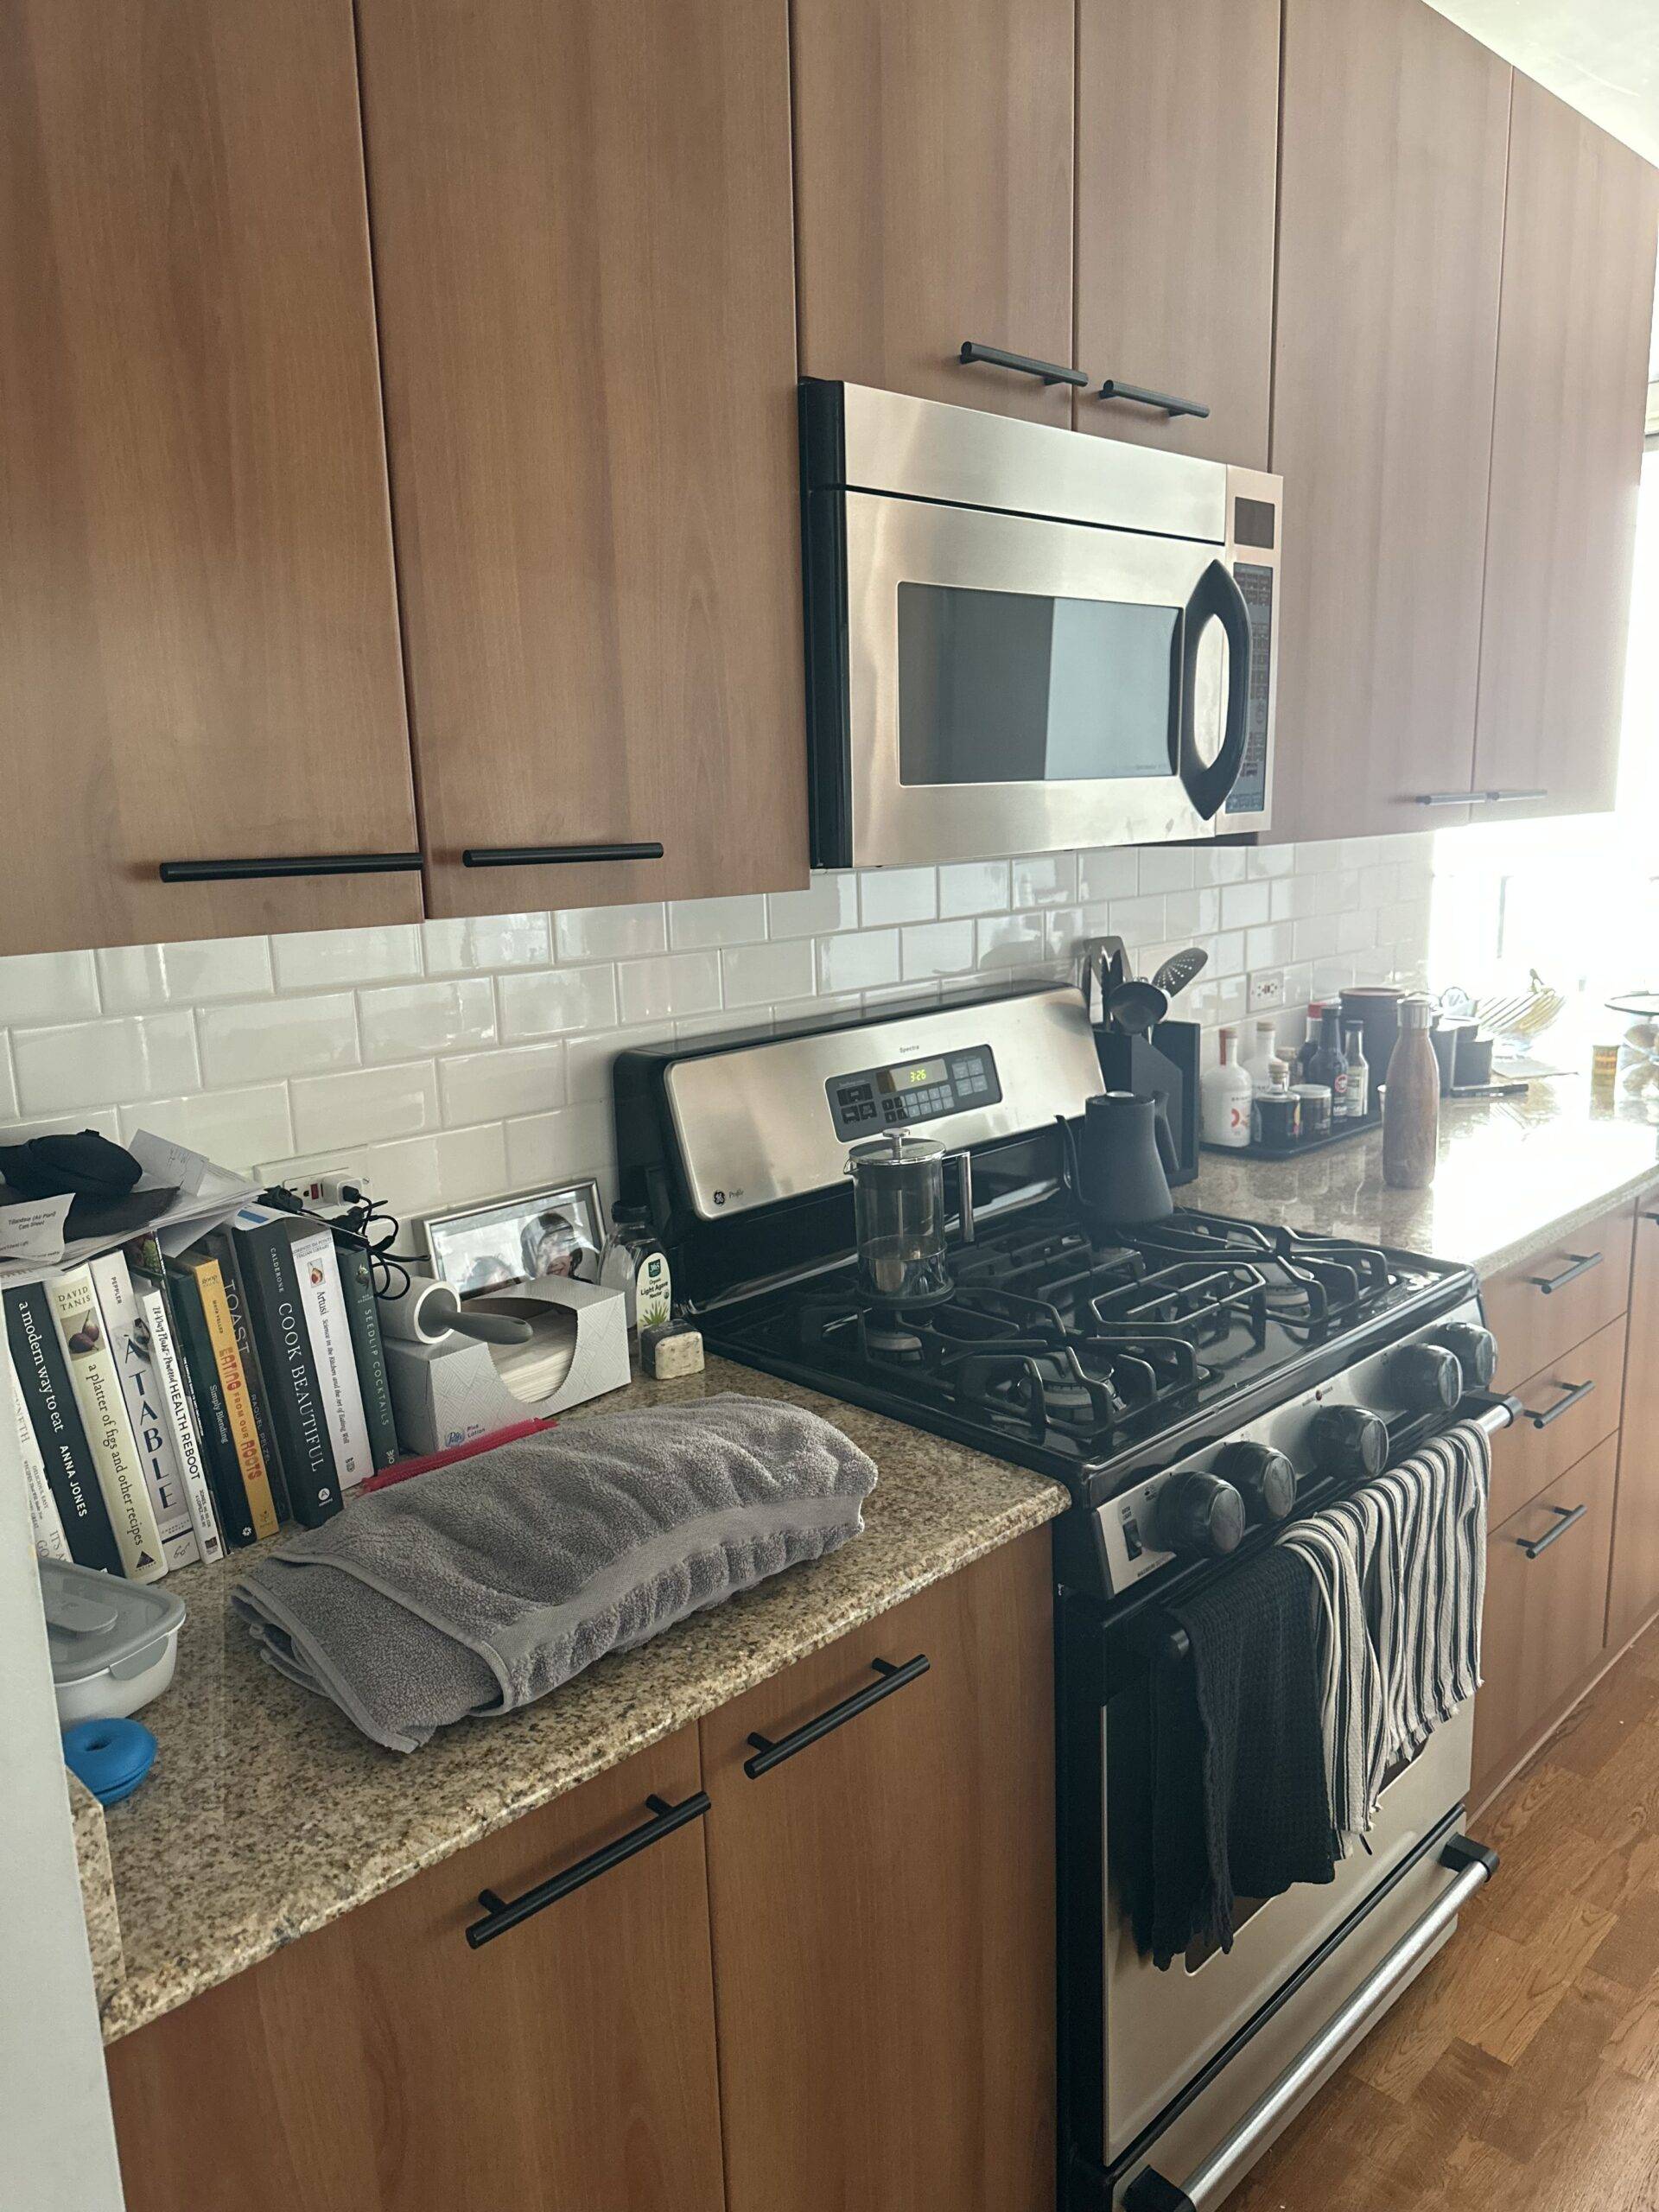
x=113, y=1644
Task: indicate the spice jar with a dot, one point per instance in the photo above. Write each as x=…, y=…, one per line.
x=1315, y=1101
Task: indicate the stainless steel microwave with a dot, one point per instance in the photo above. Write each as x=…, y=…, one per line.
x=1022, y=638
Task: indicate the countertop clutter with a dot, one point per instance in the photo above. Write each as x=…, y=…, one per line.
x=223, y=1857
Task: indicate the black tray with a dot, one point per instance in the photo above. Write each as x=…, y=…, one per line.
x=1339, y=1132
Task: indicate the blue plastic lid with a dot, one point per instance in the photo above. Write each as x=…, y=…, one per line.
x=110, y=1757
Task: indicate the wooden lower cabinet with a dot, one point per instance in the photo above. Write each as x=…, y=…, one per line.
x=1544, y=1628
x=381, y=2065
x=883, y=1913
x=1633, y=1592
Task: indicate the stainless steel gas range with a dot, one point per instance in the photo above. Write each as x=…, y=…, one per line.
x=1195, y=1384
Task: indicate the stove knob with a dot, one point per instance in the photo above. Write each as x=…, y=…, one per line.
x=1347, y=1440
x=1476, y=1349
x=1199, y=1517
x=1427, y=1379
x=1264, y=1478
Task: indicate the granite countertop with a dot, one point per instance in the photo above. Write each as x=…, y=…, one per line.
x=267, y=1815
x=1515, y=1176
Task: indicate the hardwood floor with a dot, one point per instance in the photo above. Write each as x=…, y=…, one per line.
x=1520, y=2070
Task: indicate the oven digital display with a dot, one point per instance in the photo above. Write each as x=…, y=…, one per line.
x=908, y=1091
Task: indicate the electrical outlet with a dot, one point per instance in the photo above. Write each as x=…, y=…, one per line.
x=318, y=1179
x=1267, y=990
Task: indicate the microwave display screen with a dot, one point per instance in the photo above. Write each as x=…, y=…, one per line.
x=1001, y=686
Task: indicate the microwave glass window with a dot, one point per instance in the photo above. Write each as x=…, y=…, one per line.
x=1001, y=686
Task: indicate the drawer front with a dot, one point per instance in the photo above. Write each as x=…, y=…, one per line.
x=1542, y=1307
x=1546, y=1608
x=1526, y=1459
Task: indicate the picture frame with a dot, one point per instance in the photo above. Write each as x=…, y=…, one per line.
x=530, y=1234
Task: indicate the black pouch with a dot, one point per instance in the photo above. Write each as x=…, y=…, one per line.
x=85, y=1165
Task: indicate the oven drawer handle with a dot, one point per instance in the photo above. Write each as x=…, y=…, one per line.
x=1579, y=1263
x=1572, y=1392
x=768, y=1755
x=502, y=1913
x=1470, y=1864
x=1025, y=364
x=285, y=864
x=554, y=855
x=1567, y=1515
x=1137, y=396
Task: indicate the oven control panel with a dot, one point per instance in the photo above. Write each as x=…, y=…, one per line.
x=908, y=1091
x=1200, y=1506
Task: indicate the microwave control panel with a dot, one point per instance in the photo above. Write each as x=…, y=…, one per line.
x=908, y=1091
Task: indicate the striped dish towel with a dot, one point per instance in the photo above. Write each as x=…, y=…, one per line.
x=1399, y=1571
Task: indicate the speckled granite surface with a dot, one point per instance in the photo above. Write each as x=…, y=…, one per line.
x=268, y=1815
x=1515, y=1176
x=96, y=1890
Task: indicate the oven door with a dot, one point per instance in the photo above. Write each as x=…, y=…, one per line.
x=1015, y=683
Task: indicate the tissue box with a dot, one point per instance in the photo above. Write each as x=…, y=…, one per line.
x=456, y=1390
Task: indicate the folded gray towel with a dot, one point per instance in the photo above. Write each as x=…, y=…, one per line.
x=482, y=1586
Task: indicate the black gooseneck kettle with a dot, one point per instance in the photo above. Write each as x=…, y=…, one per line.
x=1119, y=1168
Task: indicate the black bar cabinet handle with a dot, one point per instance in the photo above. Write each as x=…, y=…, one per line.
x=1479, y=799
x=1137, y=396
x=768, y=1755
x=553, y=856
x=1567, y=1515
x=500, y=1914
x=1579, y=1263
x=1572, y=1393
x=995, y=358
x=289, y=864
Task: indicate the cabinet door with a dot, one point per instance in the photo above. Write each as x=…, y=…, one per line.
x=199, y=654
x=1576, y=312
x=1633, y=1594
x=382, y=2064
x=933, y=195
x=1177, y=138
x=1543, y=1628
x=883, y=1910
x=582, y=232
x=1390, y=235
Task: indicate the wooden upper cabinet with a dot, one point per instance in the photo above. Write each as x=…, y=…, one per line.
x=882, y=1904
x=1177, y=139
x=581, y=233
x=933, y=195
x=199, y=654
x=382, y=2065
x=1395, y=127
x=1576, y=312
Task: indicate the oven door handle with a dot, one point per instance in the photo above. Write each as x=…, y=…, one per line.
x=1470, y=1865
x=1214, y=597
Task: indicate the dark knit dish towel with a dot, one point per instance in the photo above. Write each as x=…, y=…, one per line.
x=1240, y=1805
x=483, y=1586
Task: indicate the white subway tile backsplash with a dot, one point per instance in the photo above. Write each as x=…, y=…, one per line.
x=972, y=887
x=404, y=1021
x=495, y=941
x=488, y=1086
x=863, y=959
x=274, y=1038
x=456, y=1059
x=103, y=1119
x=756, y=975
x=104, y=1063
x=612, y=932
x=676, y=984
x=829, y=902
x=47, y=987
x=694, y=922
x=897, y=894
x=932, y=949
x=318, y=959
x=131, y=977
x=549, y=1001
x=364, y=1105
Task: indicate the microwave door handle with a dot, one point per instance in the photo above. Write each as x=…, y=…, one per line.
x=1215, y=596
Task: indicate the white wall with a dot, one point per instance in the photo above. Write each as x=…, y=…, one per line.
x=461, y=1059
